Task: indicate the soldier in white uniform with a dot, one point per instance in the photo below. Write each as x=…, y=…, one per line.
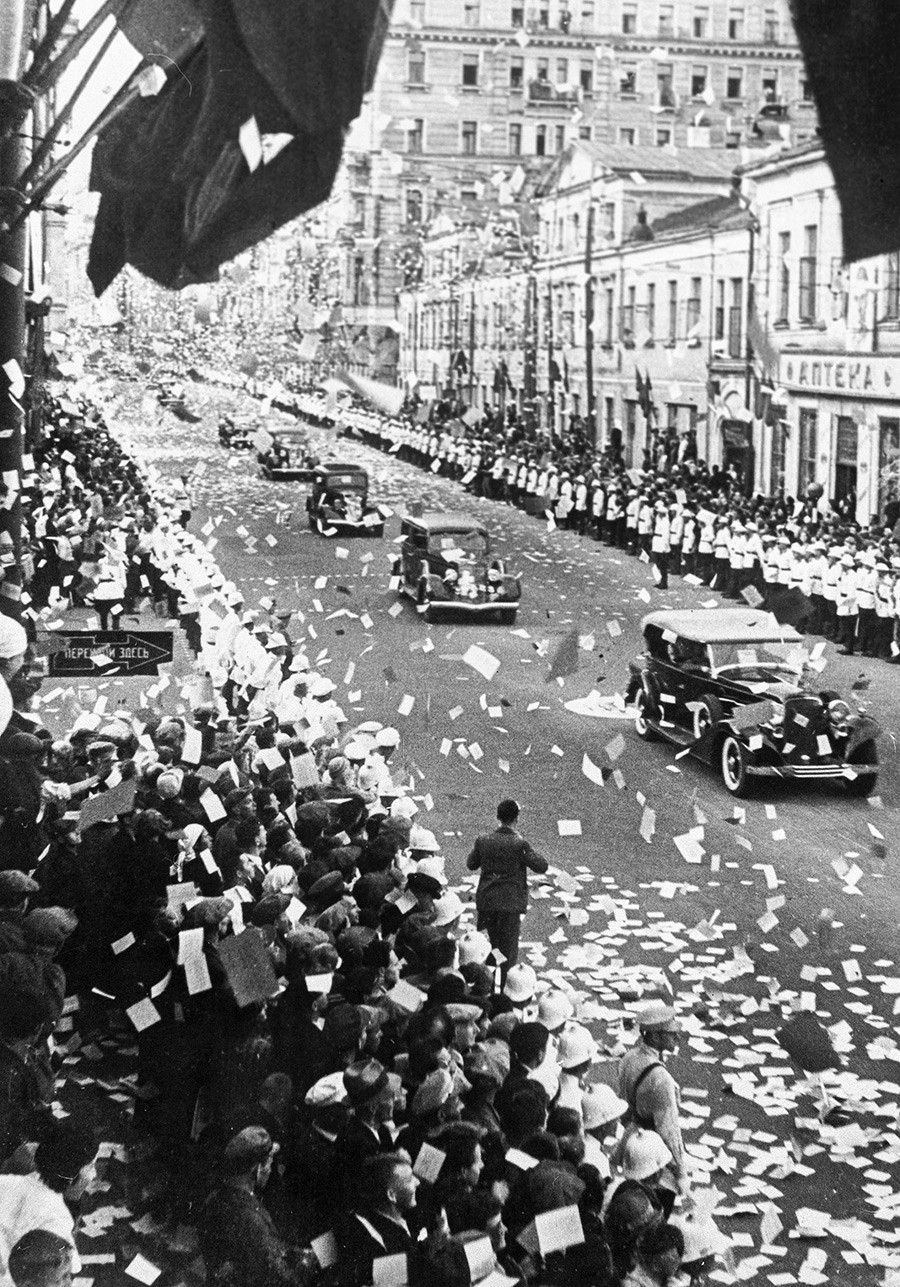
x=847, y=605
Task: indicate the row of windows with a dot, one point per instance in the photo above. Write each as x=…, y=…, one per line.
x=545, y=140
x=696, y=81
x=657, y=18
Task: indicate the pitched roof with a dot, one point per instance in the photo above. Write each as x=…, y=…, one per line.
x=685, y=162
x=716, y=212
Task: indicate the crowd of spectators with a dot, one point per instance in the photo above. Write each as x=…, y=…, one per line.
x=342, y=1081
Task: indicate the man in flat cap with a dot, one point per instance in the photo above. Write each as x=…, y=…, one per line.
x=648, y=1087
x=504, y=859
x=238, y=1239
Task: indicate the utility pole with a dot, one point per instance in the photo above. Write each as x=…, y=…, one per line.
x=530, y=363
x=15, y=106
x=472, y=344
x=748, y=371
x=589, y=322
x=551, y=383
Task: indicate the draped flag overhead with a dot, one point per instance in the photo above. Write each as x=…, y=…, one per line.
x=851, y=50
x=189, y=178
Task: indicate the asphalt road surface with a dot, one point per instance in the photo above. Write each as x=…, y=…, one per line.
x=780, y=859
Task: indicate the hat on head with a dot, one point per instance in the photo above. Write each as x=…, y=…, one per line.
x=521, y=982
x=485, y=1062
x=576, y=1046
x=656, y=1014
x=423, y=885
x=13, y=639
x=449, y=907
x=364, y=1080
x=326, y=891
x=554, y=1009
x=463, y=1011
x=644, y=1154
x=600, y=1105
x=49, y=926
x=356, y=751
x=423, y=840
x=403, y=807
x=387, y=737
x=322, y=687
x=474, y=946
x=168, y=784
x=236, y=797
x=14, y=886
x=326, y=1091
x=433, y=1093
x=432, y=867
x=250, y=1147
x=206, y=913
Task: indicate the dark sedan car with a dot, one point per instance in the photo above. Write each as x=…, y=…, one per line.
x=338, y=502
x=730, y=685
x=447, y=566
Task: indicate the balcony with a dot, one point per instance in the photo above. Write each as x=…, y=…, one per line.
x=544, y=91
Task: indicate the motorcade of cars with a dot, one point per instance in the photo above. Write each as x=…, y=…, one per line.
x=287, y=456
x=734, y=687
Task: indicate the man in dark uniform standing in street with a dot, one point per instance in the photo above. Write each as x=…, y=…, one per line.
x=504, y=858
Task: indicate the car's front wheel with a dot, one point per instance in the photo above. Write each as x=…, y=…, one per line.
x=707, y=712
x=864, y=783
x=734, y=765
x=641, y=722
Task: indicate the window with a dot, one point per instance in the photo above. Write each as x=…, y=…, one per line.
x=468, y=196
x=779, y=451
x=651, y=309
x=544, y=19
x=806, y=90
x=609, y=304
x=809, y=427
x=890, y=305
x=735, y=24
x=543, y=69
x=628, y=309
x=663, y=136
x=415, y=67
x=516, y=73
x=672, y=325
x=517, y=16
x=585, y=133
x=417, y=12
x=699, y=77
x=736, y=318
x=586, y=78
x=770, y=85
x=472, y=13
x=469, y=138
x=470, y=73
x=667, y=20
x=629, y=18
x=540, y=141
x=734, y=83
x=692, y=313
x=562, y=71
x=515, y=140
x=627, y=135
x=783, y=277
x=628, y=79
x=559, y=138
x=415, y=137
x=770, y=27
x=607, y=227
x=587, y=15
x=808, y=267
x=719, y=316
x=665, y=95
x=414, y=207
x=360, y=293
x=700, y=25
x=888, y=459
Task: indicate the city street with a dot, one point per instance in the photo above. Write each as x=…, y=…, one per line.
x=769, y=912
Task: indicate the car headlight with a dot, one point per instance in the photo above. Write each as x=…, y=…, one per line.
x=839, y=714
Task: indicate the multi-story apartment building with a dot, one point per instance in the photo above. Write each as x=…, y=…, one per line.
x=472, y=94
x=832, y=341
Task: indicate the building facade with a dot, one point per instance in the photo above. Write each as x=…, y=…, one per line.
x=832, y=341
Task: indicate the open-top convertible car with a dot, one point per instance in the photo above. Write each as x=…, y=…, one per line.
x=445, y=564
x=338, y=502
x=288, y=454
x=731, y=685
x=237, y=432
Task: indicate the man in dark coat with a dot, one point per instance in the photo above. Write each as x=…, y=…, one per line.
x=504, y=859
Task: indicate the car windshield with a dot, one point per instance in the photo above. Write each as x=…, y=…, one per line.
x=345, y=482
x=459, y=547
x=754, y=662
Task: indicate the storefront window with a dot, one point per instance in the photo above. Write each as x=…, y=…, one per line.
x=888, y=462
x=809, y=425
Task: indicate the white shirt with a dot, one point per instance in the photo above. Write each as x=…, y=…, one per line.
x=26, y=1203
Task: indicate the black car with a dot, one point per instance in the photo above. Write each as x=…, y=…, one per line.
x=286, y=455
x=446, y=565
x=338, y=503
x=730, y=684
